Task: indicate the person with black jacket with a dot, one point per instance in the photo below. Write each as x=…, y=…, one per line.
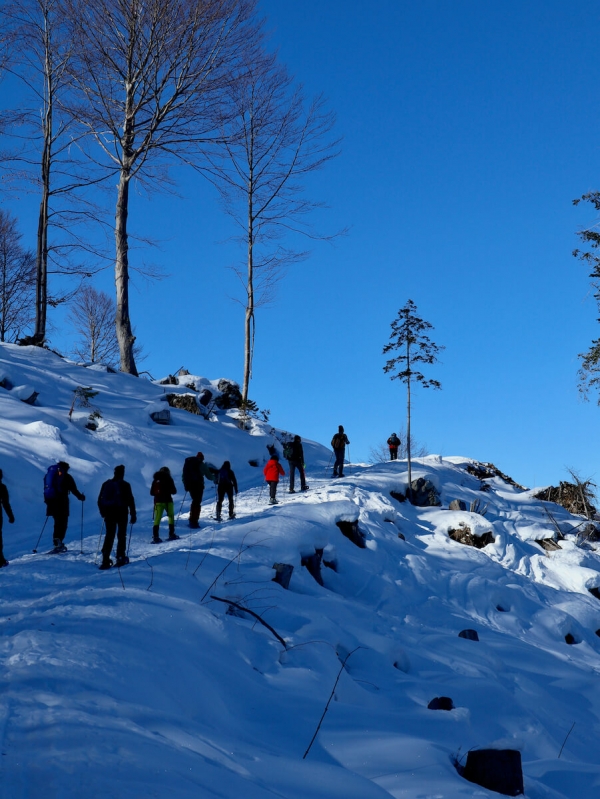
x=116, y=504
x=4, y=504
x=338, y=443
x=393, y=443
x=296, y=461
x=227, y=484
x=57, y=505
x=194, y=472
x=162, y=490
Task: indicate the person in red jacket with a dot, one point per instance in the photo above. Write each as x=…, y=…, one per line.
x=271, y=472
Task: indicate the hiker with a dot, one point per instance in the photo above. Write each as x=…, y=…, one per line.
x=338, y=442
x=4, y=503
x=272, y=450
x=294, y=454
x=116, y=504
x=227, y=484
x=193, y=474
x=58, y=484
x=393, y=443
x=271, y=472
x=162, y=490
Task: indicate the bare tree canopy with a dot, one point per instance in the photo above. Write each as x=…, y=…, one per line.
x=17, y=280
x=589, y=371
x=92, y=315
x=151, y=75
x=272, y=141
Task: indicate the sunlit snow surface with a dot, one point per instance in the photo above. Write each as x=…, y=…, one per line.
x=137, y=684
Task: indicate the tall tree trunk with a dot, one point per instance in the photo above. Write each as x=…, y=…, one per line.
x=41, y=280
x=408, y=422
x=249, y=319
x=125, y=335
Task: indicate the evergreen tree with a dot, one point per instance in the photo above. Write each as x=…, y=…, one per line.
x=589, y=371
x=409, y=339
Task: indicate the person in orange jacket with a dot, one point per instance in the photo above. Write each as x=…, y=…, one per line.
x=271, y=472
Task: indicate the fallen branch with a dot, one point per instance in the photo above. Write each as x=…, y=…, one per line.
x=254, y=615
x=565, y=741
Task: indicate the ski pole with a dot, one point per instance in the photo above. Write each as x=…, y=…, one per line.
x=41, y=534
x=129, y=542
x=99, y=539
x=329, y=464
x=81, y=534
x=180, y=508
x=260, y=493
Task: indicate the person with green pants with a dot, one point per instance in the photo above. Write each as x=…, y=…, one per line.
x=162, y=490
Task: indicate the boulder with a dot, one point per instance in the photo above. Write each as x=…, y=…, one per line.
x=283, y=574
x=313, y=565
x=441, y=703
x=497, y=770
x=230, y=396
x=186, y=402
x=463, y=535
x=424, y=494
x=595, y=591
x=457, y=504
x=352, y=533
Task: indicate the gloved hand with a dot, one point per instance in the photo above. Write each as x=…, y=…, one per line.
x=11, y=520
x=83, y=497
x=133, y=518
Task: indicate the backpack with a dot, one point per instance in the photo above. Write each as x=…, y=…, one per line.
x=53, y=482
x=288, y=450
x=110, y=496
x=337, y=442
x=224, y=475
x=156, y=488
x=191, y=472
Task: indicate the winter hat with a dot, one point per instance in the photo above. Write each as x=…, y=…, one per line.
x=341, y=428
x=64, y=466
x=0, y=474
x=297, y=438
x=120, y=471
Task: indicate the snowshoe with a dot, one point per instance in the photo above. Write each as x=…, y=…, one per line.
x=305, y=488
x=232, y=515
x=3, y=563
x=106, y=564
x=291, y=491
x=122, y=561
x=59, y=549
x=156, y=540
x=173, y=537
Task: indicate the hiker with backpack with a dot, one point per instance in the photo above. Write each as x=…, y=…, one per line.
x=294, y=455
x=227, y=484
x=116, y=505
x=393, y=443
x=271, y=472
x=162, y=490
x=58, y=484
x=194, y=471
x=4, y=504
x=338, y=442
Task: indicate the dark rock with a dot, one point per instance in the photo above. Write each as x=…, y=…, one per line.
x=501, y=609
x=169, y=381
x=549, y=544
x=161, y=417
x=470, y=635
x=5, y=383
x=30, y=400
x=313, y=565
x=186, y=402
x=484, y=471
x=457, y=504
x=253, y=462
x=205, y=397
x=570, y=639
x=402, y=536
x=441, y=703
x=283, y=574
x=463, y=535
x=424, y=494
x=398, y=496
x=595, y=591
x=598, y=633
x=230, y=396
x=497, y=770
x=352, y=533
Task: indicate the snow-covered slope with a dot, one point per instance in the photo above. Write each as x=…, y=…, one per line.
x=138, y=683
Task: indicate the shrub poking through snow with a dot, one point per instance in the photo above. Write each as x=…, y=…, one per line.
x=485, y=471
x=463, y=535
x=576, y=498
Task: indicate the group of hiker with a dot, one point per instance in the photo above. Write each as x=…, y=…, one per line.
x=116, y=503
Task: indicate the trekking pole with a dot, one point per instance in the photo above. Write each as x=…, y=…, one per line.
x=180, y=508
x=260, y=492
x=129, y=542
x=99, y=539
x=41, y=534
x=329, y=464
x=81, y=535
x=349, y=459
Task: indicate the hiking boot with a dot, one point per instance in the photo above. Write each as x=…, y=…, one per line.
x=305, y=488
x=291, y=491
x=156, y=539
x=172, y=534
x=3, y=563
x=194, y=526
x=106, y=564
x=232, y=515
x=273, y=502
x=122, y=561
x=218, y=519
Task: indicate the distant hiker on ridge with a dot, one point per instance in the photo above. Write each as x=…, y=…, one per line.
x=116, y=503
x=162, y=490
x=271, y=472
x=393, y=443
x=227, y=484
x=338, y=442
x=294, y=454
x=193, y=474
x=4, y=503
x=58, y=484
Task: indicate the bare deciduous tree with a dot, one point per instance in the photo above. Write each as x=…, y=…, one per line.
x=17, y=280
x=92, y=315
x=272, y=141
x=151, y=75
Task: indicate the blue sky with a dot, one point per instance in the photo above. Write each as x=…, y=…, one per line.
x=468, y=130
